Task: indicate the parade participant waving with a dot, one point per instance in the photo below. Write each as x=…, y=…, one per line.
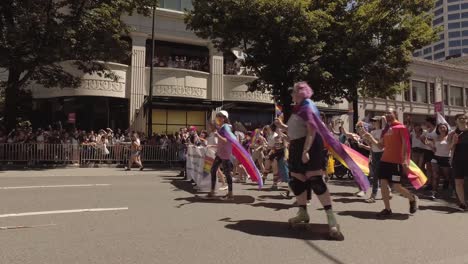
x=394, y=162
x=306, y=161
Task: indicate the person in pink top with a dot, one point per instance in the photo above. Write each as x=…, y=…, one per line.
x=223, y=156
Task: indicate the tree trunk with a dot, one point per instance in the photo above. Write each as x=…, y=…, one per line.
x=11, y=96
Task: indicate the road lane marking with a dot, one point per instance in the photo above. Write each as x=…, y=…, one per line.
x=90, y=210
x=23, y=227
x=52, y=186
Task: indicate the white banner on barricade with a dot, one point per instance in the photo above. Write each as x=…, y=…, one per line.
x=199, y=161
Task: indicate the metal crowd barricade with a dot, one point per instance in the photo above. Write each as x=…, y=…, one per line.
x=37, y=154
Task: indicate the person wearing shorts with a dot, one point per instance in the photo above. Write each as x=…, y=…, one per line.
x=441, y=162
x=459, y=146
x=394, y=162
x=306, y=162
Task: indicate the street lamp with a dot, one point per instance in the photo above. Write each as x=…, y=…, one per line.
x=150, y=95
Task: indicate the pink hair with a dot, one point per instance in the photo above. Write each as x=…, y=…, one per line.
x=304, y=90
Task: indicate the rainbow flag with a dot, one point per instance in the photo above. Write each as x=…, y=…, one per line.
x=278, y=110
x=208, y=162
x=242, y=155
x=358, y=158
x=416, y=176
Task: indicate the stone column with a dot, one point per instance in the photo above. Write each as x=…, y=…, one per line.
x=216, y=91
x=137, y=81
x=438, y=91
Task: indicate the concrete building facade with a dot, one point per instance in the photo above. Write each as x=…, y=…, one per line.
x=192, y=79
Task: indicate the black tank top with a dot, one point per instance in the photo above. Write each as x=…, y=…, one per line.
x=460, y=154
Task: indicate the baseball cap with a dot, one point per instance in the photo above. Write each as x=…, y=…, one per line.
x=223, y=113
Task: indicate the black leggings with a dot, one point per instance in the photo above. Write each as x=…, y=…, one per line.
x=227, y=169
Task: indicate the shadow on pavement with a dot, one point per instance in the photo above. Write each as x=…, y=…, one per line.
x=342, y=194
x=278, y=229
x=373, y=215
x=266, y=189
x=439, y=208
x=346, y=183
x=238, y=199
x=276, y=206
x=181, y=184
x=274, y=197
x=349, y=200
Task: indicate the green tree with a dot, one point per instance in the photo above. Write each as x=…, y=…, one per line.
x=37, y=35
x=343, y=48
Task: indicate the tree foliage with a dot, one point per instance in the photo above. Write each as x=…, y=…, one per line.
x=37, y=35
x=339, y=46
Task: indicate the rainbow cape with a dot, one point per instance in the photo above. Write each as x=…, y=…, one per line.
x=415, y=174
x=242, y=155
x=310, y=113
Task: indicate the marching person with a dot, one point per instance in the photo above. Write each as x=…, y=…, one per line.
x=306, y=162
x=394, y=162
x=223, y=156
x=459, y=146
x=135, y=152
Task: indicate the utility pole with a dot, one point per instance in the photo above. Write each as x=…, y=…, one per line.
x=150, y=95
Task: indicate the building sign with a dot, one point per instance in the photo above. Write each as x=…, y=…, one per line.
x=439, y=107
x=71, y=118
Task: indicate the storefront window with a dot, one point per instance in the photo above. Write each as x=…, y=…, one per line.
x=466, y=97
x=456, y=96
x=432, y=93
x=170, y=121
x=178, y=5
x=446, y=99
x=419, y=92
x=176, y=55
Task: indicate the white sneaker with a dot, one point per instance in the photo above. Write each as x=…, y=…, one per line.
x=223, y=188
x=360, y=194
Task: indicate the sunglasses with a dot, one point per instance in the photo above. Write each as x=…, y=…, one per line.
x=462, y=118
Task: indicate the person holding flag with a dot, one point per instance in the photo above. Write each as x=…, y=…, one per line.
x=223, y=156
x=395, y=161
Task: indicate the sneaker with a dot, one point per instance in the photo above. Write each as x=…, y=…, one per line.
x=360, y=194
x=274, y=187
x=385, y=213
x=223, y=188
x=127, y=169
x=414, y=205
x=462, y=207
x=433, y=196
x=371, y=199
x=142, y=168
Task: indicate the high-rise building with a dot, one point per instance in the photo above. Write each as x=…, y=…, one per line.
x=452, y=17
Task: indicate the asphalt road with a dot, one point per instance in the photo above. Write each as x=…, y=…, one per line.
x=155, y=217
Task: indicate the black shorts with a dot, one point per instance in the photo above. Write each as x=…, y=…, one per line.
x=316, y=161
x=443, y=162
x=428, y=155
x=460, y=169
x=391, y=171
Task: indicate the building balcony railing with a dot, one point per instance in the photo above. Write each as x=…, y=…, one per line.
x=174, y=82
x=236, y=89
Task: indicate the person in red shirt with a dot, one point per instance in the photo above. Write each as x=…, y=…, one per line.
x=395, y=161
